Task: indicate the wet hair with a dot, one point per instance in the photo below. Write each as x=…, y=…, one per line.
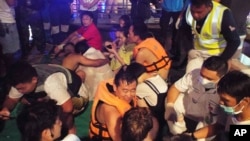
x=141, y=29
x=126, y=19
x=20, y=72
x=236, y=84
x=137, y=69
x=216, y=63
x=136, y=124
x=124, y=75
x=35, y=118
x=81, y=47
x=199, y=3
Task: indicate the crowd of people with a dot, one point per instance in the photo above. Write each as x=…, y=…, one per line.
x=126, y=79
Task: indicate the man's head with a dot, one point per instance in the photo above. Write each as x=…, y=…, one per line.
x=40, y=121
x=137, y=32
x=213, y=69
x=86, y=18
x=81, y=47
x=200, y=8
x=136, y=124
x=125, y=84
x=138, y=70
x=234, y=90
x=23, y=77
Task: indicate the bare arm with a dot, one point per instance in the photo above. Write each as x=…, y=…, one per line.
x=113, y=120
x=71, y=37
x=8, y=105
x=208, y=131
x=67, y=116
x=92, y=62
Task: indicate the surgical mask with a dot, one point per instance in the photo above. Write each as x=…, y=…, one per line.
x=230, y=110
x=207, y=83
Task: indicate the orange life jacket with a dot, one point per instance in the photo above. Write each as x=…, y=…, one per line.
x=97, y=129
x=154, y=46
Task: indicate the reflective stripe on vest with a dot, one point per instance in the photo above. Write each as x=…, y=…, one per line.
x=210, y=40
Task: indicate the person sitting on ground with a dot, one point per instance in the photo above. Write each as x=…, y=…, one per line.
x=88, y=31
x=120, y=50
x=148, y=51
x=42, y=122
x=233, y=89
x=45, y=81
x=151, y=92
x=194, y=96
x=137, y=124
x=95, y=65
x=75, y=58
x=112, y=99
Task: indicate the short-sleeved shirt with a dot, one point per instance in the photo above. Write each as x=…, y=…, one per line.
x=144, y=91
x=55, y=86
x=198, y=102
x=92, y=35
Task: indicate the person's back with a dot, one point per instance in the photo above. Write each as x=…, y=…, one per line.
x=148, y=51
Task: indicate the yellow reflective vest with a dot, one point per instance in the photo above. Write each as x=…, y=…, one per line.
x=209, y=40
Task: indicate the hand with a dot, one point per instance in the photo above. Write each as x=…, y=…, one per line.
x=58, y=48
x=4, y=114
x=170, y=113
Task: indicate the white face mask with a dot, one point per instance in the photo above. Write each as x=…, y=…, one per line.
x=207, y=83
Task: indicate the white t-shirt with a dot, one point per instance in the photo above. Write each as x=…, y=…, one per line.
x=71, y=137
x=7, y=14
x=198, y=103
x=231, y=120
x=94, y=8
x=56, y=88
x=144, y=91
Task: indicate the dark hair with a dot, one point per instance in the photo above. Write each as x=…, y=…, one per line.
x=87, y=13
x=141, y=29
x=35, y=118
x=81, y=47
x=136, y=124
x=235, y=84
x=20, y=72
x=126, y=19
x=124, y=75
x=124, y=30
x=216, y=63
x=199, y=3
x=137, y=69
